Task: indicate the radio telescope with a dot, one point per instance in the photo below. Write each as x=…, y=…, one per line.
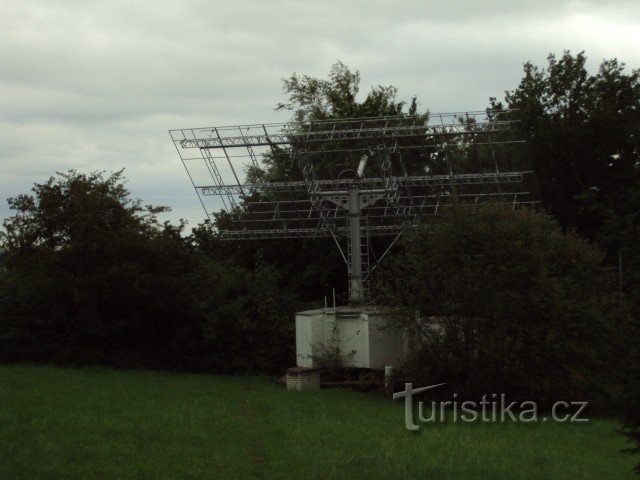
x=352, y=179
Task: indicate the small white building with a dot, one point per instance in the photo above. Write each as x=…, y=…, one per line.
x=362, y=333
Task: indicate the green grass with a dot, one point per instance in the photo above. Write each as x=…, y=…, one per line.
x=101, y=423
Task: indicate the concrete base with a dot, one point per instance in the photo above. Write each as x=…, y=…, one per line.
x=363, y=340
x=303, y=379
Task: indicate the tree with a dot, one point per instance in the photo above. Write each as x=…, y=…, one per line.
x=313, y=98
x=92, y=276
x=246, y=315
x=501, y=301
x=629, y=406
x=583, y=141
x=313, y=266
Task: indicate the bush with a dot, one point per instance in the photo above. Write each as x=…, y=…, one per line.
x=518, y=306
x=90, y=276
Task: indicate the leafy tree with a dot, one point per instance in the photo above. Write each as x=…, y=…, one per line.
x=583, y=140
x=501, y=301
x=313, y=98
x=313, y=267
x=629, y=407
x=89, y=275
x=245, y=315
x=92, y=276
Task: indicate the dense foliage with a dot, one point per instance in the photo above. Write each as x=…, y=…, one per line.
x=313, y=98
x=583, y=141
x=91, y=276
x=502, y=301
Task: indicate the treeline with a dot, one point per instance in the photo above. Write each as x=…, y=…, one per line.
x=89, y=275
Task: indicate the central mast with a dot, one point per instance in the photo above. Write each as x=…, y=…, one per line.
x=356, y=288
x=354, y=200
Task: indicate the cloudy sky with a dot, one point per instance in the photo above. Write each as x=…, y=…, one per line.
x=96, y=84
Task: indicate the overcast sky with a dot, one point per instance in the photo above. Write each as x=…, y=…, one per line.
x=97, y=84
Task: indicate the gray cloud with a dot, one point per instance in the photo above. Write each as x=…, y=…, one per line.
x=96, y=85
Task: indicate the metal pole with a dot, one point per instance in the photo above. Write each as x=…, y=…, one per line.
x=355, y=255
x=388, y=379
x=334, y=301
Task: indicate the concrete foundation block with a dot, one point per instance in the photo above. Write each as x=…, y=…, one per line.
x=300, y=378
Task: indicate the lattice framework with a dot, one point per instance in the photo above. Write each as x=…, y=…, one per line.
x=352, y=179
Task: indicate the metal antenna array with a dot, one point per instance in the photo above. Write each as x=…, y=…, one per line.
x=352, y=179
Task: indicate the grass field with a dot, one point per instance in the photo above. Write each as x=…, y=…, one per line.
x=101, y=423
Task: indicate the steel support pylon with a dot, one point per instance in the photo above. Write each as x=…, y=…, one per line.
x=356, y=289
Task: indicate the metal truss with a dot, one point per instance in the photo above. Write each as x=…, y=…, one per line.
x=373, y=128
x=352, y=179
x=339, y=184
